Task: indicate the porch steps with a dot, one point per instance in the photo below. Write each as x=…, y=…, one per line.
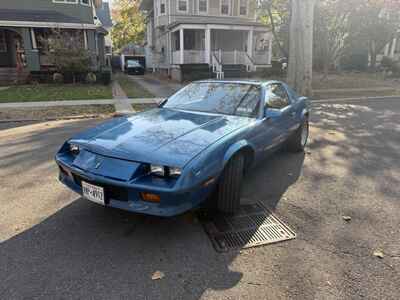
x=234, y=71
x=11, y=76
x=191, y=72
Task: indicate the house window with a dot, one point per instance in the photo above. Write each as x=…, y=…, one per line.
x=203, y=6
x=243, y=8
x=162, y=7
x=225, y=7
x=85, y=2
x=3, y=41
x=182, y=5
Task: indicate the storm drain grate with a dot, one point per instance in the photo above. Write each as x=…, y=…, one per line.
x=254, y=225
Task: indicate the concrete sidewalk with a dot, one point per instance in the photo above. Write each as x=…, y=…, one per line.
x=77, y=102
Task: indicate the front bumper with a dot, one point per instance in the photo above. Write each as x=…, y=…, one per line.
x=126, y=196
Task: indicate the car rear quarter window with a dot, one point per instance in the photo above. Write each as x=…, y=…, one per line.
x=276, y=96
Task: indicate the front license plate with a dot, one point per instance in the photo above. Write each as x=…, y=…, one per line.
x=93, y=192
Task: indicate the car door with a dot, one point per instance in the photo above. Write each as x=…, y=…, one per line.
x=279, y=114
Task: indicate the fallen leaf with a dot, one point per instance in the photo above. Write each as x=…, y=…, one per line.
x=346, y=218
x=378, y=253
x=157, y=275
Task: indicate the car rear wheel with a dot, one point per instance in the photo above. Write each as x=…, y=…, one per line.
x=298, y=141
x=229, y=188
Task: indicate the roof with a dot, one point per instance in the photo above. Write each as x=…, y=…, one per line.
x=103, y=13
x=36, y=16
x=225, y=21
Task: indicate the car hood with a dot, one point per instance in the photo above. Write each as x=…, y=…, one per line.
x=160, y=136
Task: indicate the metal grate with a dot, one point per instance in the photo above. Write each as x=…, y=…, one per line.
x=254, y=225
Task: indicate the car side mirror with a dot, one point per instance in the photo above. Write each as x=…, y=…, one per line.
x=305, y=99
x=270, y=113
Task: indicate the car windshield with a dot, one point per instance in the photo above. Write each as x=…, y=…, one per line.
x=237, y=99
x=133, y=63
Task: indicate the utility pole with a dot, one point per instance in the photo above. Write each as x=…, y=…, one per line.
x=301, y=46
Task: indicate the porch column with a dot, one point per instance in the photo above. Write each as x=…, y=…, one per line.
x=269, y=51
x=207, y=44
x=386, y=51
x=250, y=42
x=181, y=45
x=393, y=50
x=33, y=39
x=85, y=39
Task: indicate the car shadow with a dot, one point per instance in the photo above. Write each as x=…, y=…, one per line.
x=269, y=180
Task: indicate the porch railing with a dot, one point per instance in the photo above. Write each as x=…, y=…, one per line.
x=248, y=61
x=189, y=57
x=216, y=66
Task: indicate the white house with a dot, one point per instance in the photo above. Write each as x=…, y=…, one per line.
x=193, y=39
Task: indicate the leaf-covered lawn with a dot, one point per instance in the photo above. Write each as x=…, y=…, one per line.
x=131, y=88
x=50, y=92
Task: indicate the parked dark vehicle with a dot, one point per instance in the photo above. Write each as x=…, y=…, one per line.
x=133, y=67
x=199, y=142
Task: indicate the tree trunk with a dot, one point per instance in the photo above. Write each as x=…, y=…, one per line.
x=301, y=46
x=373, y=55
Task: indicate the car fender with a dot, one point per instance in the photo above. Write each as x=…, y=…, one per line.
x=235, y=148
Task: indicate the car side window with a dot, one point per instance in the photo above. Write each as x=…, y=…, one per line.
x=276, y=96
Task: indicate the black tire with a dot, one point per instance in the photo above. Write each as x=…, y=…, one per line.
x=296, y=142
x=230, y=185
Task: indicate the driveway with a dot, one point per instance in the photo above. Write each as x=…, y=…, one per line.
x=160, y=89
x=55, y=245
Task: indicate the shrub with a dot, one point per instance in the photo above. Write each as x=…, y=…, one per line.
x=67, y=54
x=355, y=61
x=389, y=65
x=104, y=76
x=58, y=78
x=91, y=78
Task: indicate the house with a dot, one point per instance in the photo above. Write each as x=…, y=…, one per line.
x=392, y=49
x=103, y=14
x=193, y=39
x=25, y=24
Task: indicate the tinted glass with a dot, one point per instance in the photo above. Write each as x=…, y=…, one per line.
x=276, y=96
x=216, y=97
x=133, y=63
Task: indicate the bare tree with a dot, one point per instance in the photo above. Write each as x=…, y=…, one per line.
x=301, y=46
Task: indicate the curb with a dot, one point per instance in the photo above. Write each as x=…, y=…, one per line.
x=52, y=119
x=355, y=99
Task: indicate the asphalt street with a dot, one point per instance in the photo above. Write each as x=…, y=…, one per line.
x=56, y=245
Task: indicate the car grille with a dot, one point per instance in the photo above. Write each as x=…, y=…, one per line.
x=111, y=191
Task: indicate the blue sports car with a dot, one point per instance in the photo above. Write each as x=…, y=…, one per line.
x=199, y=142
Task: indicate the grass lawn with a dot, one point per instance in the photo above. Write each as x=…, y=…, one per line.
x=49, y=92
x=41, y=113
x=131, y=88
x=351, y=81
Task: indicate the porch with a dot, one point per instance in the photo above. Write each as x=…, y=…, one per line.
x=221, y=45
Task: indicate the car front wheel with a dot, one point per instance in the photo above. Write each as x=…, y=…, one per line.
x=229, y=188
x=298, y=141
